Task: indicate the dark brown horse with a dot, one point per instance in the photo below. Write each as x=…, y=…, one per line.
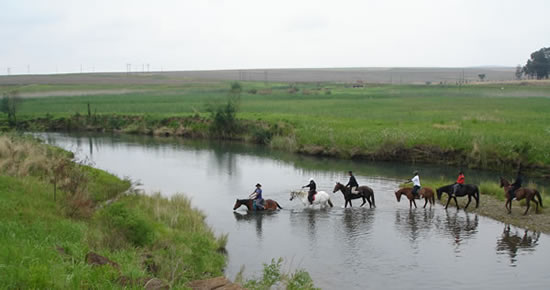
x=521, y=193
x=425, y=192
x=269, y=204
x=364, y=192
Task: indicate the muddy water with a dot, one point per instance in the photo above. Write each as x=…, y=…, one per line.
x=388, y=247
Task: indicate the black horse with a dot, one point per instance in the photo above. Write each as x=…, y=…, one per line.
x=466, y=189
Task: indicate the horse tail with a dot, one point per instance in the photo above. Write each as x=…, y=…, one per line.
x=537, y=193
x=278, y=205
x=330, y=203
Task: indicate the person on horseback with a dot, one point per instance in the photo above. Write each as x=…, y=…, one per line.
x=416, y=184
x=312, y=190
x=459, y=183
x=352, y=183
x=516, y=185
x=257, y=196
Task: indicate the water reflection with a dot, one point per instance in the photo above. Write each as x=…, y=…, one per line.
x=511, y=242
x=357, y=223
x=256, y=218
x=459, y=226
x=414, y=224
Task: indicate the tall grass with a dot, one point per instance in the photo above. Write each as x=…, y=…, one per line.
x=44, y=247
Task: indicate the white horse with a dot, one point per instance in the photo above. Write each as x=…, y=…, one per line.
x=321, y=198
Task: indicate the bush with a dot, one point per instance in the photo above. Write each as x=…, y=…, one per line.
x=122, y=220
x=224, y=118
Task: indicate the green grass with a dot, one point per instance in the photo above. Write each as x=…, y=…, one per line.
x=147, y=236
x=487, y=125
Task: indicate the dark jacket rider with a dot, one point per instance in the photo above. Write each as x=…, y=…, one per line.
x=516, y=185
x=352, y=183
x=312, y=190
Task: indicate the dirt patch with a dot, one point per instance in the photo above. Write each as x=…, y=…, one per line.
x=492, y=207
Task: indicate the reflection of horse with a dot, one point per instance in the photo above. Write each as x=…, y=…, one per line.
x=255, y=219
x=321, y=198
x=364, y=192
x=511, y=243
x=425, y=192
x=249, y=203
x=466, y=189
x=521, y=193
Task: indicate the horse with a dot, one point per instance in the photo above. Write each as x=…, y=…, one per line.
x=269, y=204
x=364, y=192
x=466, y=189
x=425, y=192
x=521, y=193
x=321, y=198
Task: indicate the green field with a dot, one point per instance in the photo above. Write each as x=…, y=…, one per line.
x=485, y=126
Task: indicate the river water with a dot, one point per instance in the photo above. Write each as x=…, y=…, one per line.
x=388, y=247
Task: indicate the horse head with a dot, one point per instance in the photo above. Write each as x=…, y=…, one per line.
x=439, y=193
x=398, y=195
x=292, y=195
x=504, y=182
x=337, y=187
x=238, y=204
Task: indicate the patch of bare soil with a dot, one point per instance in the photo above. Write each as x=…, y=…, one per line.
x=74, y=93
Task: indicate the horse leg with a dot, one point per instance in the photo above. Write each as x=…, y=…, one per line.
x=468, y=203
x=364, y=201
x=425, y=202
x=456, y=202
x=509, y=207
x=414, y=202
x=448, y=201
x=528, y=200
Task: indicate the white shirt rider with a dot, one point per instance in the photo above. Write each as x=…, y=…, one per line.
x=416, y=181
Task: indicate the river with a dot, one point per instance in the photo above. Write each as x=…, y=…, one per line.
x=388, y=247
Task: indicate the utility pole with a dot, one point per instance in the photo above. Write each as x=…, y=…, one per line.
x=9, y=70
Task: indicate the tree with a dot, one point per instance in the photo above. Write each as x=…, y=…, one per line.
x=519, y=72
x=481, y=77
x=10, y=104
x=539, y=64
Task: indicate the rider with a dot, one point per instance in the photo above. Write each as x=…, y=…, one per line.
x=312, y=190
x=352, y=183
x=459, y=183
x=416, y=183
x=257, y=195
x=516, y=185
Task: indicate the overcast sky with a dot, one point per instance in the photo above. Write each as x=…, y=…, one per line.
x=105, y=35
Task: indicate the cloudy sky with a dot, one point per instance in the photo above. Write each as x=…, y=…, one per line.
x=45, y=36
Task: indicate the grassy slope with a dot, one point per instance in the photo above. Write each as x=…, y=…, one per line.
x=32, y=226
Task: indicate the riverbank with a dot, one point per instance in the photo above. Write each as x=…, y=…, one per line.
x=491, y=126
x=58, y=231
x=492, y=200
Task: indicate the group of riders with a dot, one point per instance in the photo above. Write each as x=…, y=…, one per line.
x=352, y=184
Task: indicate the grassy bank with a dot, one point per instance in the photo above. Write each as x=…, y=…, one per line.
x=492, y=200
x=477, y=126
x=46, y=243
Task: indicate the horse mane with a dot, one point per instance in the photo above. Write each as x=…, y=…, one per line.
x=404, y=190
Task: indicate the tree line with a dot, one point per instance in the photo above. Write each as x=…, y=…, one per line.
x=537, y=66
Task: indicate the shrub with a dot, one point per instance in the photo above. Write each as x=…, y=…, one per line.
x=122, y=220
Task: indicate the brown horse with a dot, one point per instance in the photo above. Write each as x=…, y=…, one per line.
x=425, y=192
x=269, y=204
x=521, y=193
x=364, y=192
